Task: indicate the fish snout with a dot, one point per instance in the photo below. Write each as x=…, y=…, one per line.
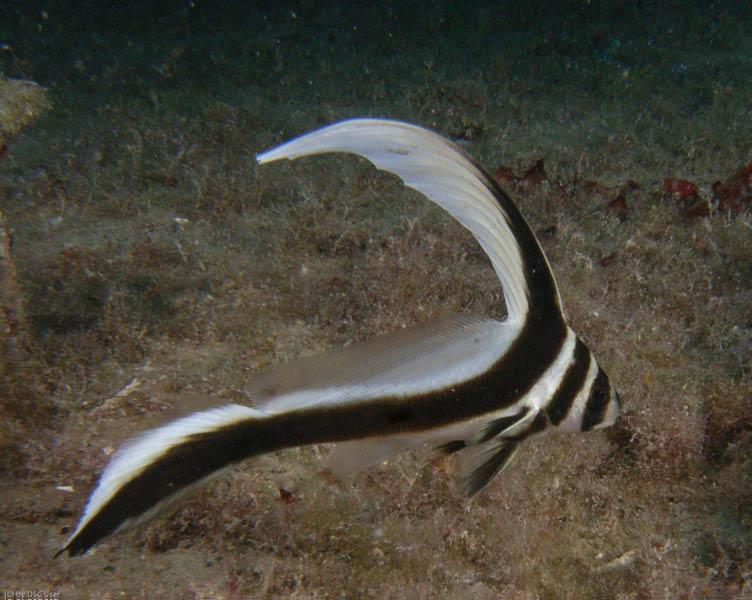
x=613, y=410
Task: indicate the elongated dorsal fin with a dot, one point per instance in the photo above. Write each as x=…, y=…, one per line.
x=442, y=172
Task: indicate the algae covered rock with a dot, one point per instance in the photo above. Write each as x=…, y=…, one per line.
x=20, y=103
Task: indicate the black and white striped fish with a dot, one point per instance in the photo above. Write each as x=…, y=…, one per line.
x=475, y=385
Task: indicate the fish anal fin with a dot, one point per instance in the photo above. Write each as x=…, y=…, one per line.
x=350, y=457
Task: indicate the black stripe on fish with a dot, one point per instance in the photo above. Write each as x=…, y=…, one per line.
x=597, y=403
x=574, y=378
x=501, y=386
x=541, y=284
x=539, y=424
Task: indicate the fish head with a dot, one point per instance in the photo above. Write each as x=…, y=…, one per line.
x=603, y=405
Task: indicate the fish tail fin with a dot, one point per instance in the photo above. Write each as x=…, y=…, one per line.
x=155, y=470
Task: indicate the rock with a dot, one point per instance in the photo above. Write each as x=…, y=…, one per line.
x=20, y=103
x=619, y=206
x=734, y=196
x=22, y=404
x=680, y=189
x=533, y=179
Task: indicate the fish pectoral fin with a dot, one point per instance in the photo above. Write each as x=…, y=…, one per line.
x=350, y=457
x=484, y=462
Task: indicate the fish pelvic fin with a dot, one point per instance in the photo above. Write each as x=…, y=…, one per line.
x=486, y=462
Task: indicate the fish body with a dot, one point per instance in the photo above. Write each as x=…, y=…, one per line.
x=470, y=385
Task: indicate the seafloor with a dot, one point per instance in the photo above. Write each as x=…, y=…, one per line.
x=160, y=266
